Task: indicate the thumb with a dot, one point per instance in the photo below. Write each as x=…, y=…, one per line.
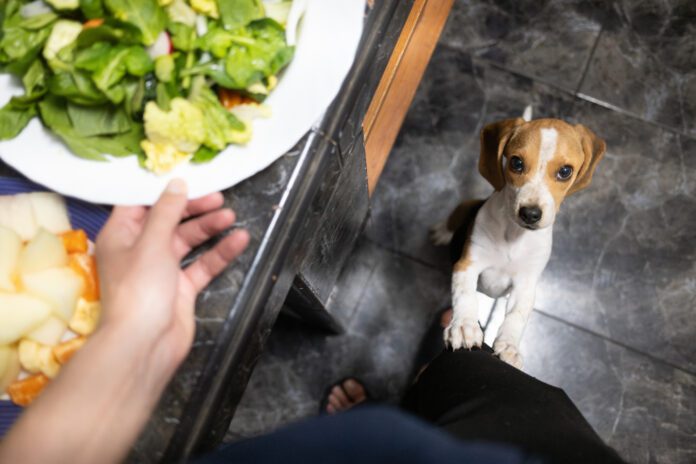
x=166, y=214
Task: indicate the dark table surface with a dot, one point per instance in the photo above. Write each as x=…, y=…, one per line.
x=235, y=314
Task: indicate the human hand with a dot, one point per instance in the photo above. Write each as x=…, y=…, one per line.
x=145, y=294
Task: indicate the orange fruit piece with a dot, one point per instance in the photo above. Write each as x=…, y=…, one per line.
x=86, y=266
x=23, y=392
x=75, y=241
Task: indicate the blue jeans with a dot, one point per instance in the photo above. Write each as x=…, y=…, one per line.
x=370, y=434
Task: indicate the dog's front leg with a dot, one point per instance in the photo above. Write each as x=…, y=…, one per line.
x=519, y=307
x=464, y=330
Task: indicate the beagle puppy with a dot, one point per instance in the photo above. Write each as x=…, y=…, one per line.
x=502, y=244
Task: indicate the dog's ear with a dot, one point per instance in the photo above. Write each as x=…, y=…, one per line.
x=493, y=139
x=593, y=148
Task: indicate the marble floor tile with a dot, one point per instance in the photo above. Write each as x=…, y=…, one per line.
x=641, y=407
x=646, y=63
x=624, y=260
x=433, y=166
x=551, y=41
x=399, y=300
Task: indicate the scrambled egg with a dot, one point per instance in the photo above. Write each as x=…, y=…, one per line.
x=162, y=157
x=206, y=7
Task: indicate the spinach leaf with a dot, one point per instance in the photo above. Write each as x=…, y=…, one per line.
x=237, y=13
x=77, y=87
x=183, y=37
x=92, y=9
x=147, y=15
x=112, y=31
x=19, y=47
x=38, y=21
x=88, y=121
x=14, y=117
x=54, y=114
x=204, y=155
x=265, y=55
x=35, y=78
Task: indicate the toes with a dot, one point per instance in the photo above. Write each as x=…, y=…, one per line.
x=473, y=336
x=340, y=395
x=354, y=391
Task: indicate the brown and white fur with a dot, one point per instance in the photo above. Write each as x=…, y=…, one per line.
x=503, y=253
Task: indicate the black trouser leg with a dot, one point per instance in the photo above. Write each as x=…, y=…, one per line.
x=475, y=396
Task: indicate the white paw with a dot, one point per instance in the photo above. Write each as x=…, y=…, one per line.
x=440, y=235
x=508, y=352
x=465, y=333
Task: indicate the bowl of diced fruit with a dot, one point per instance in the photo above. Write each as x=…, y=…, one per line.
x=49, y=288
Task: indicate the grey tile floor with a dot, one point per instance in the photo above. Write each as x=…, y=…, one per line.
x=614, y=322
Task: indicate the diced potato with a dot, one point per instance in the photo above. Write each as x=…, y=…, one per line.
x=61, y=288
x=24, y=392
x=75, y=241
x=86, y=317
x=36, y=358
x=9, y=366
x=20, y=314
x=49, y=332
x=16, y=214
x=50, y=211
x=10, y=247
x=86, y=266
x=44, y=251
x=67, y=350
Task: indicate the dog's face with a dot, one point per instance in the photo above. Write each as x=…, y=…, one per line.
x=536, y=164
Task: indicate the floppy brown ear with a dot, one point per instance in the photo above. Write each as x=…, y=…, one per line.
x=593, y=148
x=493, y=139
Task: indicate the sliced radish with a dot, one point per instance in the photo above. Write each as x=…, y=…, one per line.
x=162, y=46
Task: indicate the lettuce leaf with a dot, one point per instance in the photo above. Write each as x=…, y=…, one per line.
x=238, y=13
x=147, y=15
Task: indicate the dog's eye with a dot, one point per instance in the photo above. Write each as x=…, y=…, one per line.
x=564, y=173
x=516, y=164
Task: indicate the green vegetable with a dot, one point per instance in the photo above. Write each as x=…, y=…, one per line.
x=180, y=12
x=182, y=126
x=204, y=155
x=35, y=78
x=19, y=47
x=183, y=37
x=147, y=15
x=88, y=121
x=14, y=117
x=92, y=9
x=63, y=34
x=39, y=21
x=165, y=68
x=64, y=4
x=110, y=63
x=237, y=13
x=278, y=11
x=264, y=57
x=77, y=87
x=54, y=114
x=221, y=126
x=112, y=31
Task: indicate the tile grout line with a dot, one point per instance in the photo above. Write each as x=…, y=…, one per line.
x=401, y=254
x=589, y=61
x=580, y=96
x=616, y=342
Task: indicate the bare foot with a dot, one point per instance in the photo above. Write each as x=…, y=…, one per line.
x=345, y=396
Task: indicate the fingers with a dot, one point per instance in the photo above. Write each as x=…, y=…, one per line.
x=196, y=231
x=204, y=204
x=214, y=261
x=120, y=217
x=165, y=215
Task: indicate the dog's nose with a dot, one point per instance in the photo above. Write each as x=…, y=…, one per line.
x=530, y=214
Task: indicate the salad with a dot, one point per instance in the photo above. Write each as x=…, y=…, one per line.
x=169, y=81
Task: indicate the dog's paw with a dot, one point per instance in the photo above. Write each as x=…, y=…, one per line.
x=465, y=333
x=440, y=235
x=508, y=352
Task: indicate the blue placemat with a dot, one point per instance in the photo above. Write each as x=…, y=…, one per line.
x=83, y=215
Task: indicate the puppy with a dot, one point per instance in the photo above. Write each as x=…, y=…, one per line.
x=502, y=244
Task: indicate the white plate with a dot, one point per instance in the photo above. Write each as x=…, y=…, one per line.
x=328, y=39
